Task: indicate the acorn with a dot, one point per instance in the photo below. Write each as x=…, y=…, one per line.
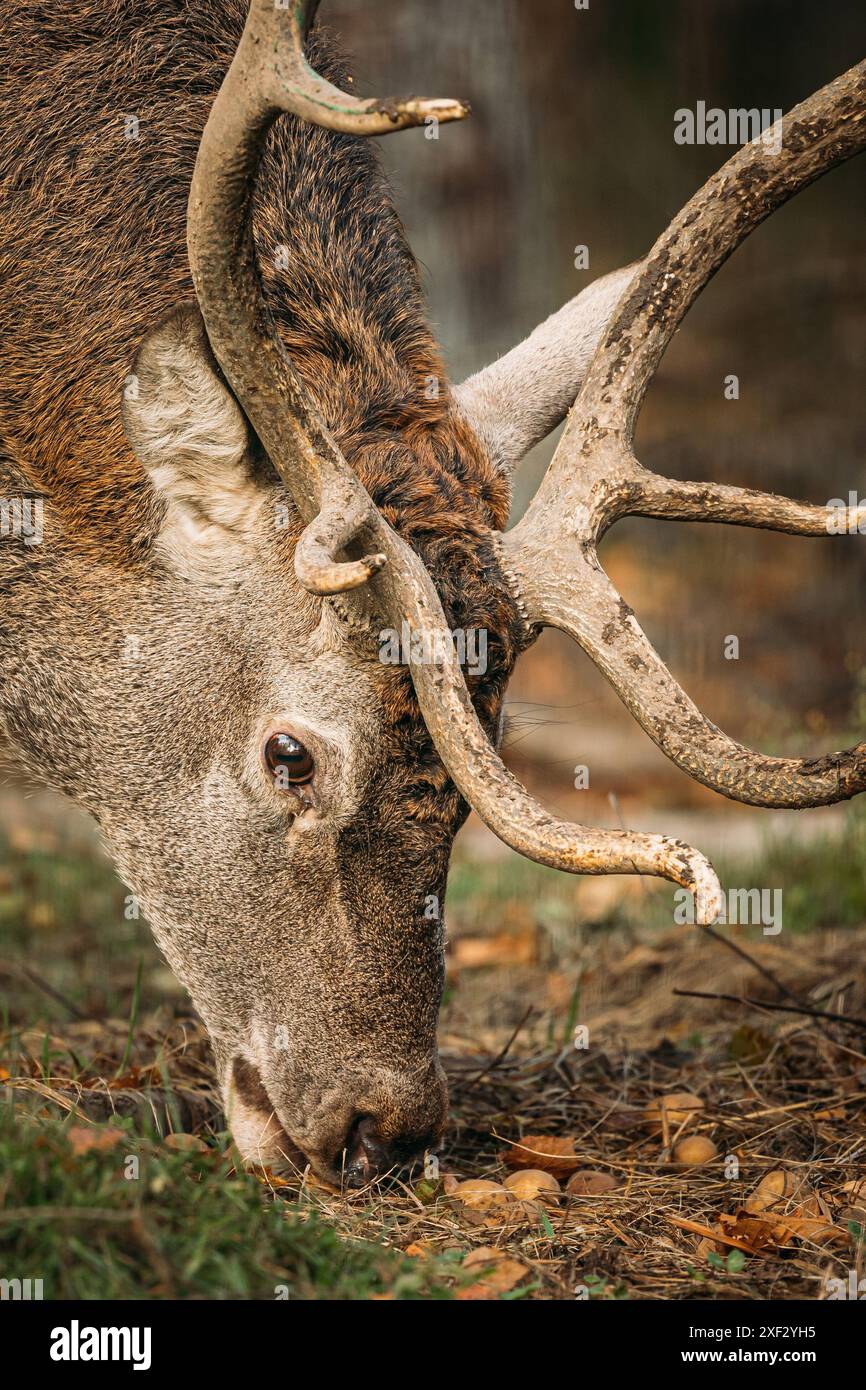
x=480, y=1193
x=694, y=1151
x=588, y=1183
x=528, y=1183
x=679, y=1108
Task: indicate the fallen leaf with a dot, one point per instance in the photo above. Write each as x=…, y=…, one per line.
x=815, y=1231
x=418, y=1250
x=752, y=1233
x=551, y=1155
x=505, y=948
x=780, y=1231
x=709, y=1234
x=498, y=1274
x=85, y=1139
x=136, y=1078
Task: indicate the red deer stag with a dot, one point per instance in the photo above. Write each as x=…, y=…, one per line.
x=222, y=410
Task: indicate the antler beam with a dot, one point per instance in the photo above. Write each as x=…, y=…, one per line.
x=594, y=478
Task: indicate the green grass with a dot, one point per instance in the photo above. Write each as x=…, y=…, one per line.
x=183, y=1228
x=63, y=915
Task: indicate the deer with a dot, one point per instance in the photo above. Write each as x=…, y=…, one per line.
x=213, y=367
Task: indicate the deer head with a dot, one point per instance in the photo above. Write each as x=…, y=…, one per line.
x=290, y=835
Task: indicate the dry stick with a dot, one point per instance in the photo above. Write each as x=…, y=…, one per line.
x=740, y=951
x=698, y=1229
x=852, y=1021
x=756, y=964
x=40, y=983
x=460, y=1090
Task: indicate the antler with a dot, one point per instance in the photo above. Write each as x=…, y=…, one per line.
x=595, y=479
x=269, y=75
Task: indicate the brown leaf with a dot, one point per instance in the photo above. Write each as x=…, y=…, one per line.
x=551, y=1155
x=505, y=948
x=136, y=1078
x=815, y=1231
x=87, y=1139
x=498, y=1274
x=713, y=1235
x=780, y=1230
x=752, y=1232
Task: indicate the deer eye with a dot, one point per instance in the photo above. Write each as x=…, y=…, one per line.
x=288, y=760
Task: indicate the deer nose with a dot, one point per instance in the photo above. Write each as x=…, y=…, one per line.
x=368, y=1155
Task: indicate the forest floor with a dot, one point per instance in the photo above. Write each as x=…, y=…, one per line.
x=572, y=1007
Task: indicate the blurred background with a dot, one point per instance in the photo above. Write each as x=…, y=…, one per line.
x=571, y=143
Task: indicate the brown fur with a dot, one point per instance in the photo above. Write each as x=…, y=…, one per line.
x=269, y=920
x=78, y=302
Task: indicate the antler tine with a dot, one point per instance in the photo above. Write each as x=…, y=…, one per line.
x=672, y=500
x=339, y=522
x=594, y=478
x=296, y=87
x=269, y=75
x=590, y=610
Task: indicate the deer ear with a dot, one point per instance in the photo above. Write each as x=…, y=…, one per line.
x=189, y=432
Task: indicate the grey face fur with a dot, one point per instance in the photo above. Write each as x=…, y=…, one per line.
x=271, y=905
x=302, y=938
x=299, y=919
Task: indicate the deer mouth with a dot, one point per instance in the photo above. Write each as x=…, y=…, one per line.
x=255, y=1123
x=364, y=1155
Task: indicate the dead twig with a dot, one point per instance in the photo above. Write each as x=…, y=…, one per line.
x=821, y=1014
